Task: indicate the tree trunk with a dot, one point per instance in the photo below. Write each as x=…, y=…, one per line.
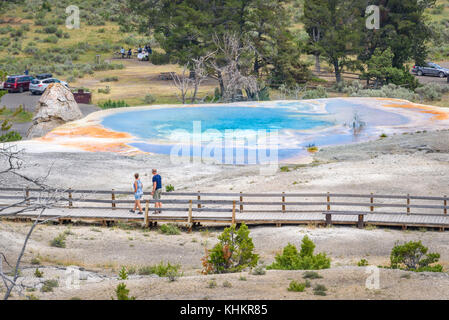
x=317, y=63
x=337, y=71
x=220, y=81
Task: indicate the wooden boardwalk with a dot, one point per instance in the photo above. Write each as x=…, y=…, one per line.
x=108, y=206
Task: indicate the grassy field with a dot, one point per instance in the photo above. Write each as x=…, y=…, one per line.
x=21, y=35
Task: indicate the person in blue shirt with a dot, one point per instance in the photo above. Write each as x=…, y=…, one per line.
x=138, y=193
x=157, y=190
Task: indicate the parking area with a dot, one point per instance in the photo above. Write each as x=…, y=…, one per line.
x=30, y=103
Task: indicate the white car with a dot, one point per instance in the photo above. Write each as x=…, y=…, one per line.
x=38, y=86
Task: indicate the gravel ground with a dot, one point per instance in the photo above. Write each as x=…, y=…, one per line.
x=100, y=253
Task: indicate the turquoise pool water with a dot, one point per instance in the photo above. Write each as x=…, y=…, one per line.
x=296, y=125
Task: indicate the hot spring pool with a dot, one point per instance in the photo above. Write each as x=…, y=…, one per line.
x=246, y=133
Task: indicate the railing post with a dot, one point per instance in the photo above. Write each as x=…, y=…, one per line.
x=408, y=203
x=328, y=219
x=27, y=195
x=328, y=202
x=70, y=198
x=113, y=199
x=445, y=204
x=283, y=201
x=241, y=202
x=233, y=212
x=360, y=223
x=372, y=201
x=189, y=219
x=199, y=199
x=147, y=207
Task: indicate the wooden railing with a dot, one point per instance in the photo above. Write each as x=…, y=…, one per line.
x=223, y=207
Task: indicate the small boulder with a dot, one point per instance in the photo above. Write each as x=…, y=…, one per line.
x=57, y=106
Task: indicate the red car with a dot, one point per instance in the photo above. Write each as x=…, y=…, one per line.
x=17, y=83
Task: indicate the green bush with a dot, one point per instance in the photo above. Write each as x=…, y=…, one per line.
x=319, y=290
x=169, y=188
x=38, y=274
x=51, y=39
x=122, y=293
x=109, y=79
x=318, y=93
x=291, y=259
x=106, y=90
x=432, y=91
x=233, y=252
x=123, y=274
x=110, y=104
x=311, y=275
x=149, y=99
x=169, y=229
x=296, y=286
x=10, y=136
x=48, y=285
x=413, y=256
x=362, y=263
x=59, y=241
x=161, y=269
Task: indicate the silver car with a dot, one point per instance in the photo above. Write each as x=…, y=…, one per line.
x=38, y=86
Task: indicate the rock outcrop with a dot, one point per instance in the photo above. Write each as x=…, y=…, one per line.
x=56, y=107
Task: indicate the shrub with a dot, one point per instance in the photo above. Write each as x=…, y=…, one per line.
x=212, y=284
x=49, y=285
x=122, y=292
x=227, y=284
x=51, y=39
x=169, y=229
x=106, y=90
x=311, y=275
x=35, y=261
x=149, y=99
x=432, y=91
x=50, y=29
x=233, y=252
x=38, y=274
x=123, y=274
x=318, y=93
x=319, y=290
x=10, y=136
x=413, y=256
x=296, y=286
x=169, y=188
x=259, y=270
x=59, y=241
x=362, y=263
x=290, y=259
x=110, y=104
x=161, y=269
x=109, y=79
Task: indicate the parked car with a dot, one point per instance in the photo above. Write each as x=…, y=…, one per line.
x=38, y=86
x=431, y=69
x=17, y=83
x=43, y=76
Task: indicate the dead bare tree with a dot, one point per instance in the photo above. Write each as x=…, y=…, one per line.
x=45, y=197
x=200, y=72
x=233, y=79
x=183, y=82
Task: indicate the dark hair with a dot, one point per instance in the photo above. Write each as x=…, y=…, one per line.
x=136, y=175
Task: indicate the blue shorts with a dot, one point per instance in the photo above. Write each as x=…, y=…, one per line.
x=137, y=196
